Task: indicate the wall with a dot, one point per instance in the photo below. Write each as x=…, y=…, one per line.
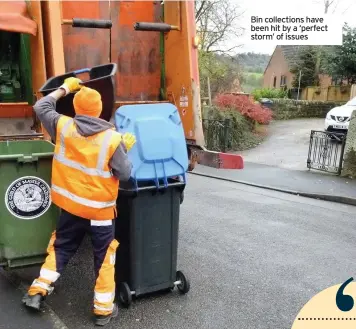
x=353, y=91
x=324, y=81
x=330, y=93
x=290, y=109
x=349, y=166
x=277, y=66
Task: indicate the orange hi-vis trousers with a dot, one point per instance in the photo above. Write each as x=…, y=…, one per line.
x=64, y=243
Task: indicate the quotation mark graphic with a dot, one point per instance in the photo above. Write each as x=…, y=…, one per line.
x=344, y=303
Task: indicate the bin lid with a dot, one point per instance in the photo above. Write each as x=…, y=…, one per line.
x=160, y=151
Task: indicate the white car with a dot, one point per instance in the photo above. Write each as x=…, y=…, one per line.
x=338, y=118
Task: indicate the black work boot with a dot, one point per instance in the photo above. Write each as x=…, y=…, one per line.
x=33, y=302
x=102, y=320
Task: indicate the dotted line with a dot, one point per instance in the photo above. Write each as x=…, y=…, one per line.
x=327, y=319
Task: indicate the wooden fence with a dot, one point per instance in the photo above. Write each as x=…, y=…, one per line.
x=328, y=94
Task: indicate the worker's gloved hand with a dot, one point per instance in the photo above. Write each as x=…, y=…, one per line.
x=129, y=141
x=71, y=84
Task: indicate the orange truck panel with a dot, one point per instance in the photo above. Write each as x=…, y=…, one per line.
x=38, y=66
x=53, y=38
x=182, y=78
x=57, y=48
x=136, y=53
x=14, y=17
x=15, y=110
x=85, y=47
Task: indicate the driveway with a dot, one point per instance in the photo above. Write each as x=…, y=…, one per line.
x=287, y=145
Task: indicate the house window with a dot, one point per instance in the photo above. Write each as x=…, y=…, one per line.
x=283, y=80
x=274, y=82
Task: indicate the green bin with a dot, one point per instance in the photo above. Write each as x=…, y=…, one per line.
x=27, y=217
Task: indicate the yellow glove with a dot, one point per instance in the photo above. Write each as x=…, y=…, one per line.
x=129, y=140
x=71, y=84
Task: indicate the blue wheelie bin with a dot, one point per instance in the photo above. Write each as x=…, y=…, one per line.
x=147, y=225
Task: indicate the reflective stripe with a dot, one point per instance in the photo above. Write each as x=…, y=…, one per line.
x=61, y=137
x=42, y=285
x=104, y=297
x=104, y=150
x=99, y=170
x=82, y=201
x=110, y=308
x=49, y=274
x=76, y=165
x=101, y=222
x=112, y=259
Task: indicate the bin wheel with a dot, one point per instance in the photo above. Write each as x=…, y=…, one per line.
x=184, y=286
x=125, y=294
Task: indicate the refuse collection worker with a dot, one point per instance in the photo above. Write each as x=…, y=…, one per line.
x=90, y=158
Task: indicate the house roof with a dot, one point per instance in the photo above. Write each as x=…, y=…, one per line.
x=290, y=54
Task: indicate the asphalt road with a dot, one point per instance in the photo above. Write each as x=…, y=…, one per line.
x=287, y=144
x=254, y=258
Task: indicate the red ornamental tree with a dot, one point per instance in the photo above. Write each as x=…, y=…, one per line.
x=245, y=106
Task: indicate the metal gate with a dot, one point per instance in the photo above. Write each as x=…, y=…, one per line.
x=217, y=134
x=326, y=151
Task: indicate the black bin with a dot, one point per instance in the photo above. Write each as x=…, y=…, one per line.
x=147, y=229
x=102, y=79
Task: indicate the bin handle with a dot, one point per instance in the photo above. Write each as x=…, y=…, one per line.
x=27, y=159
x=81, y=71
x=21, y=158
x=88, y=23
x=22, y=136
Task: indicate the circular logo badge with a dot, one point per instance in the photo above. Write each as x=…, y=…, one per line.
x=28, y=197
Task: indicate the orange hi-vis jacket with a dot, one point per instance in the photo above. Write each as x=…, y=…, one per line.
x=82, y=182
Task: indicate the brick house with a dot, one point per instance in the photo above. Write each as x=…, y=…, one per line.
x=277, y=73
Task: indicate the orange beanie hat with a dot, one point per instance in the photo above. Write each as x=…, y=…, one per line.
x=87, y=101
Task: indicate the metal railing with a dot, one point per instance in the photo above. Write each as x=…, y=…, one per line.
x=217, y=134
x=326, y=151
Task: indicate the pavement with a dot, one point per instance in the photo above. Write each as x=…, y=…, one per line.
x=314, y=184
x=254, y=257
x=287, y=144
x=14, y=315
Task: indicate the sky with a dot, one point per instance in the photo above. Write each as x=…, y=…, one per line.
x=345, y=9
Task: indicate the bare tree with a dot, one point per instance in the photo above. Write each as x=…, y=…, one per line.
x=327, y=4
x=334, y=5
x=217, y=23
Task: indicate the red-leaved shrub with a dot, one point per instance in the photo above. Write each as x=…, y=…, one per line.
x=245, y=106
